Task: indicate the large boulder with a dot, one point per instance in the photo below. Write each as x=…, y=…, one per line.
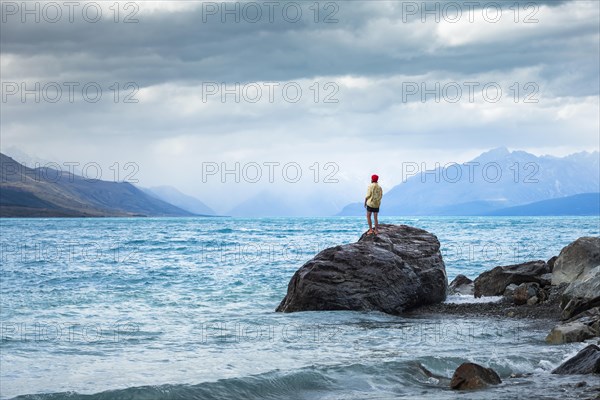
x=587, y=361
x=470, y=376
x=495, y=281
x=396, y=270
x=576, y=259
x=582, y=294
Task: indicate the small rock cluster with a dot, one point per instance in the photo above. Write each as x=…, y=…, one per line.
x=569, y=281
x=573, y=276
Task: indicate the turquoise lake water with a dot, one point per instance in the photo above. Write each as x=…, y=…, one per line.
x=183, y=308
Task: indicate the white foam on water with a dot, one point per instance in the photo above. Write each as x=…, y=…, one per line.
x=463, y=299
x=545, y=366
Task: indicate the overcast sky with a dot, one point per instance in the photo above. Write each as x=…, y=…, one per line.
x=361, y=66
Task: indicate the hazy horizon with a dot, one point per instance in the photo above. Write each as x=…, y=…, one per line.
x=408, y=171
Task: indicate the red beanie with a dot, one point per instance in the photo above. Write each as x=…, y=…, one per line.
x=374, y=178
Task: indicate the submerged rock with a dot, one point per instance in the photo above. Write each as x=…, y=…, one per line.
x=495, y=281
x=576, y=259
x=396, y=270
x=473, y=376
x=582, y=294
x=461, y=285
x=587, y=361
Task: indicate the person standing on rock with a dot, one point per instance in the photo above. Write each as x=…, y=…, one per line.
x=372, y=203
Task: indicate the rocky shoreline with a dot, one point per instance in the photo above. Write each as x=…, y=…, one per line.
x=400, y=271
x=504, y=308
x=561, y=295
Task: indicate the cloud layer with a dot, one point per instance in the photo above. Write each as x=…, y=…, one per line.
x=361, y=84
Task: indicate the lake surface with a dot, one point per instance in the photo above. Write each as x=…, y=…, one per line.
x=161, y=308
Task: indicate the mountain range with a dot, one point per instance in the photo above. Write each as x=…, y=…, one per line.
x=495, y=180
x=46, y=192
x=173, y=196
x=498, y=182
x=579, y=204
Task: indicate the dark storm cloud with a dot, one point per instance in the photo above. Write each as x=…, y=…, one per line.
x=189, y=46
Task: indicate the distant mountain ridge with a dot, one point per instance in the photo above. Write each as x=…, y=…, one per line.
x=45, y=192
x=495, y=180
x=179, y=199
x=579, y=204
